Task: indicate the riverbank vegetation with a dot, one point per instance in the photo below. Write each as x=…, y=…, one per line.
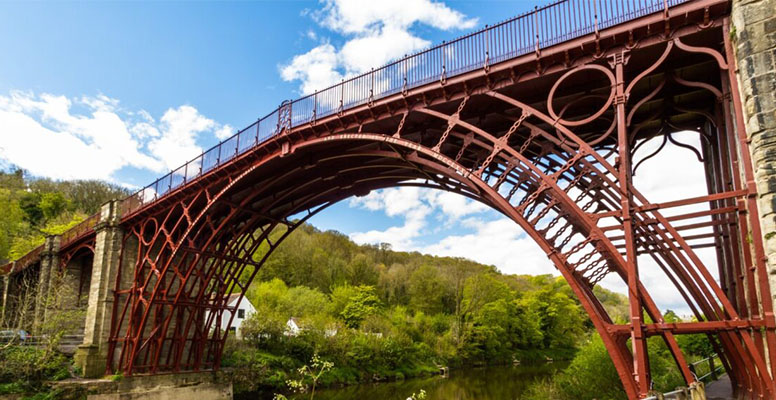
x=591, y=374
x=29, y=364
x=380, y=314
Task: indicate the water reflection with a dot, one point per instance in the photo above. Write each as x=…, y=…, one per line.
x=487, y=383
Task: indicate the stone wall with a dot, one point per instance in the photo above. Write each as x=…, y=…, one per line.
x=753, y=31
x=199, y=386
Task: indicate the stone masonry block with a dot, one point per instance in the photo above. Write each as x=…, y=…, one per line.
x=761, y=32
x=758, y=123
x=754, y=27
x=747, y=13
x=765, y=177
x=763, y=147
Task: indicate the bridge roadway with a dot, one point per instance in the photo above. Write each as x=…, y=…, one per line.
x=721, y=389
x=538, y=117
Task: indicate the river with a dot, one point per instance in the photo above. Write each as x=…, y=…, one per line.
x=481, y=383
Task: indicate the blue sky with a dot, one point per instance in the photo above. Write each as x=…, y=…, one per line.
x=223, y=61
x=126, y=91
x=223, y=58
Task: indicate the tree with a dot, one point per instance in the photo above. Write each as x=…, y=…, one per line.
x=478, y=291
x=427, y=289
x=362, y=271
x=32, y=208
x=52, y=204
x=11, y=219
x=561, y=317
x=264, y=328
x=354, y=303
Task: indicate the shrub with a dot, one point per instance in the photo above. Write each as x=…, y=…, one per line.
x=29, y=367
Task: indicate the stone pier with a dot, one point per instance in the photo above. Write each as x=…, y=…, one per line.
x=49, y=265
x=753, y=32
x=92, y=356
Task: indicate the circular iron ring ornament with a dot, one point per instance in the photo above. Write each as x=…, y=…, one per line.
x=148, y=232
x=600, y=138
x=600, y=112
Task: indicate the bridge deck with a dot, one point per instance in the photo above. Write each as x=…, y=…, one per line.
x=720, y=389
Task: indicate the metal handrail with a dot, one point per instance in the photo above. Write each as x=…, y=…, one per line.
x=714, y=373
x=79, y=230
x=713, y=370
x=529, y=32
x=23, y=262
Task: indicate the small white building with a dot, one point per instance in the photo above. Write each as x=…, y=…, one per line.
x=292, y=327
x=244, y=310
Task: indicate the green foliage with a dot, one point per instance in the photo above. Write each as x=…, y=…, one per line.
x=591, y=375
x=358, y=303
x=27, y=368
x=52, y=204
x=250, y=369
x=696, y=345
x=308, y=377
x=381, y=314
x=11, y=217
x=32, y=208
x=427, y=290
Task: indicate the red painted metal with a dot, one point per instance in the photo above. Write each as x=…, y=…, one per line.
x=541, y=118
x=27, y=260
x=83, y=229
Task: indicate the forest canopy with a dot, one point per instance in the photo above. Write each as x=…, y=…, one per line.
x=32, y=208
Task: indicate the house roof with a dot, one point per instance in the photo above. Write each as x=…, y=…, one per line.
x=233, y=297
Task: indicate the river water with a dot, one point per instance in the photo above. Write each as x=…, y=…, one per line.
x=485, y=383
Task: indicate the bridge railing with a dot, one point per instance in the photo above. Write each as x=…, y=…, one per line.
x=706, y=370
x=23, y=262
x=529, y=32
x=78, y=231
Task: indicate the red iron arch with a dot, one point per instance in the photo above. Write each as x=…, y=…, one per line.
x=564, y=178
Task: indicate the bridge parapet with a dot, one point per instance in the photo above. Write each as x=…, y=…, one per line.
x=528, y=33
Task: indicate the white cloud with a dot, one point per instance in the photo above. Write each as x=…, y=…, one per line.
x=360, y=54
x=376, y=32
x=356, y=16
x=224, y=132
x=317, y=69
x=495, y=241
x=499, y=242
x=454, y=206
x=93, y=137
x=179, y=130
x=406, y=202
